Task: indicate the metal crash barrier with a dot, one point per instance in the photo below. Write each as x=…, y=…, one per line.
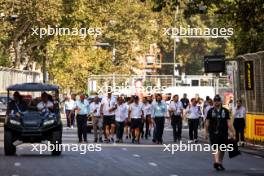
x=9, y=76
x=251, y=90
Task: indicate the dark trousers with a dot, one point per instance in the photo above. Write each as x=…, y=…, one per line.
x=239, y=125
x=147, y=122
x=176, y=123
x=120, y=130
x=193, y=128
x=159, y=121
x=82, y=127
x=70, y=118
x=142, y=127
x=154, y=133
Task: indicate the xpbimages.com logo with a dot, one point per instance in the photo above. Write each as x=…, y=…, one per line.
x=193, y=147
x=60, y=31
x=81, y=148
x=198, y=32
x=148, y=90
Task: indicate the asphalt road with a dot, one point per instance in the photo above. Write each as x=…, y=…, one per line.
x=123, y=159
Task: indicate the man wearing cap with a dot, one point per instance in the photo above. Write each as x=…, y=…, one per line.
x=217, y=125
x=159, y=112
x=82, y=108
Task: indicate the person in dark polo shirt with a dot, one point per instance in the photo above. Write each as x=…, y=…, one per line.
x=217, y=125
x=17, y=105
x=185, y=101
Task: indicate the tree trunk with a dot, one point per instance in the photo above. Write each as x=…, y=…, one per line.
x=17, y=54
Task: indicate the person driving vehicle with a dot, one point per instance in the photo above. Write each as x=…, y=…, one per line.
x=45, y=104
x=17, y=105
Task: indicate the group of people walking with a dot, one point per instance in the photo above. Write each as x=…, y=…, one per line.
x=114, y=116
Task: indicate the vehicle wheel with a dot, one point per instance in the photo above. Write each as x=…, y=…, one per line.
x=56, y=140
x=9, y=148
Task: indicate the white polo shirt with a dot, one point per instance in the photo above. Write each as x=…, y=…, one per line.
x=69, y=104
x=240, y=113
x=136, y=110
x=83, y=106
x=147, y=109
x=194, y=112
x=108, y=104
x=176, y=107
x=121, y=113
x=42, y=106
x=95, y=109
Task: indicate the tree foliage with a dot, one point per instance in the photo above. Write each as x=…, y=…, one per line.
x=129, y=26
x=246, y=17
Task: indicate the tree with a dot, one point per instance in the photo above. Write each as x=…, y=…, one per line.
x=246, y=17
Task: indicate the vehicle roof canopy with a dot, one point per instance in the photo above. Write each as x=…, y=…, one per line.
x=33, y=87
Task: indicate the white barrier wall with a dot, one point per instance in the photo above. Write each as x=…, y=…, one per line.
x=9, y=76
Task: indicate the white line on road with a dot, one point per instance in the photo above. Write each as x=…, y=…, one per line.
x=70, y=129
x=15, y=175
x=153, y=164
x=125, y=149
x=70, y=135
x=256, y=156
x=17, y=164
x=75, y=138
x=136, y=155
x=253, y=169
x=174, y=175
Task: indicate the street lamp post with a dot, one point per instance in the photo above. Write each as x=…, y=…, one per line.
x=44, y=69
x=176, y=39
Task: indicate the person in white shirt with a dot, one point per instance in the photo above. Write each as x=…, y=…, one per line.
x=194, y=112
x=176, y=115
x=147, y=108
x=135, y=114
x=127, y=129
x=69, y=106
x=200, y=104
x=107, y=109
x=240, y=121
x=45, y=105
x=210, y=105
x=82, y=108
x=96, y=118
x=121, y=114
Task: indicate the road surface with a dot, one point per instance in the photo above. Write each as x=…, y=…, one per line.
x=125, y=159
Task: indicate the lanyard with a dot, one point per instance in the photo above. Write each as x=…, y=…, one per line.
x=176, y=107
x=18, y=109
